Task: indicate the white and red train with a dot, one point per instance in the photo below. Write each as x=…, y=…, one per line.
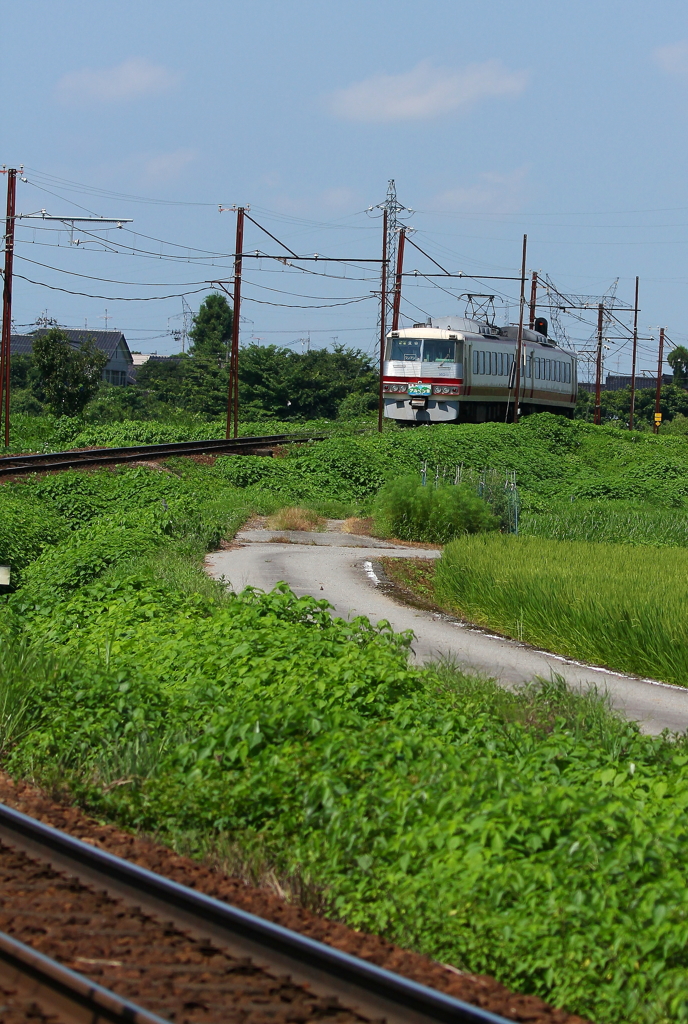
x=459, y=370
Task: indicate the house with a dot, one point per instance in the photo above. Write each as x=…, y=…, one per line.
x=117, y=370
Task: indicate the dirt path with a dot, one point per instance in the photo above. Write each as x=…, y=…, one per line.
x=344, y=569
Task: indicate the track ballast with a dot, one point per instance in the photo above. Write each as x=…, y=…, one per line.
x=13, y=465
x=229, y=963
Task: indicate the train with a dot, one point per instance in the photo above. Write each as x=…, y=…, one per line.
x=453, y=369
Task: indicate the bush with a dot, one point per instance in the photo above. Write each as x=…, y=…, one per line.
x=406, y=509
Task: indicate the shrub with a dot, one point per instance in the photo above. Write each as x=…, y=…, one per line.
x=404, y=508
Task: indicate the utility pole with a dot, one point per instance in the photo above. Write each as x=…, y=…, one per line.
x=598, y=371
x=519, y=343
x=658, y=392
x=5, y=347
x=383, y=317
x=635, y=353
x=233, y=389
x=397, y=283
x=533, y=299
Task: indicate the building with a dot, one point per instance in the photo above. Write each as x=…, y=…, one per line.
x=617, y=382
x=117, y=370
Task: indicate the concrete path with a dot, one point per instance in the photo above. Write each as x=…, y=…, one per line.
x=344, y=569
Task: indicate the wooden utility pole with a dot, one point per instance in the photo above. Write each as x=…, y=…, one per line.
x=533, y=299
x=233, y=389
x=383, y=317
x=598, y=371
x=397, y=282
x=519, y=342
x=6, y=344
x=658, y=391
x=635, y=354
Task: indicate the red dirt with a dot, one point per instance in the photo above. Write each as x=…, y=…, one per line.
x=479, y=990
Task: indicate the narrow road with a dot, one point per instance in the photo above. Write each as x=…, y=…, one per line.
x=344, y=569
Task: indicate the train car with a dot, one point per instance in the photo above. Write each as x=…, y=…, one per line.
x=457, y=370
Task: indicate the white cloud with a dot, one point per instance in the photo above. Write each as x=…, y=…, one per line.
x=165, y=166
x=492, y=193
x=673, y=59
x=126, y=81
x=425, y=91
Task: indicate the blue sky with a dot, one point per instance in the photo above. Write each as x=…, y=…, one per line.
x=565, y=121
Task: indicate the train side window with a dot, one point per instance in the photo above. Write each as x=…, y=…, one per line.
x=482, y=363
x=549, y=368
x=568, y=373
x=476, y=361
x=561, y=371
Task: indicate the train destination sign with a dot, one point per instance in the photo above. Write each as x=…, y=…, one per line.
x=420, y=389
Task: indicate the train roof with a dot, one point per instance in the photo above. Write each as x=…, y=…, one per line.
x=450, y=327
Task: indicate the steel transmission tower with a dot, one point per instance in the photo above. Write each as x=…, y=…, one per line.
x=395, y=216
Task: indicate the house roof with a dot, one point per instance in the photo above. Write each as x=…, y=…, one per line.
x=106, y=341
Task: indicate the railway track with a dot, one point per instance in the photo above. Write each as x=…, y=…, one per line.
x=88, y=919
x=11, y=465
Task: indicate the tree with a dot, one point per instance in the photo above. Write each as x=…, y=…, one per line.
x=211, y=333
x=187, y=382
x=308, y=385
x=678, y=361
x=68, y=377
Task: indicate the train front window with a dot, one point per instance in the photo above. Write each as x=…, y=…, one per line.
x=405, y=350
x=439, y=351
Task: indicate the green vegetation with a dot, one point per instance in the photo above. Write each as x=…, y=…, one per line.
x=616, y=405
x=274, y=383
x=678, y=361
x=406, y=509
x=67, y=378
x=609, y=604
x=531, y=835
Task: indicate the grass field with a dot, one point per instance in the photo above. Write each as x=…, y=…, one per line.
x=610, y=604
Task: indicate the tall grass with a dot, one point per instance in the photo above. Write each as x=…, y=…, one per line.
x=406, y=509
x=613, y=604
x=616, y=522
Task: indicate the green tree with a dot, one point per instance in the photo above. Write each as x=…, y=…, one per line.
x=309, y=385
x=211, y=333
x=68, y=377
x=678, y=361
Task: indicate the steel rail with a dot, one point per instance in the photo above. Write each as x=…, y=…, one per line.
x=18, y=464
x=55, y=988
x=369, y=990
